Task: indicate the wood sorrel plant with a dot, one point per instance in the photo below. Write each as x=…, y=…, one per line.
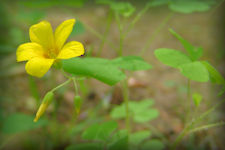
x=195, y=70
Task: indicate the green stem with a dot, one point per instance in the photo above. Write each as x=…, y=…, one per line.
x=152, y=37
x=189, y=108
x=75, y=86
x=120, y=51
x=61, y=85
x=137, y=17
x=126, y=99
x=192, y=123
x=206, y=127
x=109, y=20
x=98, y=35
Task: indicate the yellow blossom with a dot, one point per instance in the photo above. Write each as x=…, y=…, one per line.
x=46, y=47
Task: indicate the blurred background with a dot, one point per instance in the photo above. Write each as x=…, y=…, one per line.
x=20, y=94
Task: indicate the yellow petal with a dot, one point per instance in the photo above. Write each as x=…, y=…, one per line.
x=71, y=49
x=38, y=66
x=42, y=34
x=62, y=32
x=28, y=51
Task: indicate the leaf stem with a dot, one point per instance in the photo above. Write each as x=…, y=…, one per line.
x=126, y=99
x=188, y=99
x=158, y=29
x=108, y=25
x=120, y=51
x=192, y=123
x=206, y=127
x=61, y=85
x=75, y=85
x=137, y=17
x=98, y=35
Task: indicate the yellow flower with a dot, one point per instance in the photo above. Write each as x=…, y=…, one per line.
x=46, y=47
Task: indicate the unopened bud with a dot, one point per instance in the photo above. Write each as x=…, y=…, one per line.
x=77, y=103
x=46, y=101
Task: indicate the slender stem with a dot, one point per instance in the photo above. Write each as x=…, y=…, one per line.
x=126, y=99
x=192, y=123
x=61, y=85
x=152, y=37
x=137, y=17
x=75, y=86
x=206, y=127
x=109, y=20
x=98, y=35
x=120, y=51
x=189, y=109
x=7, y=140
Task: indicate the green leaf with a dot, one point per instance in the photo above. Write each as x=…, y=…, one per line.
x=215, y=76
x=146, y=115
x=29, y=17
x=124, y=8
x=119, y=141
x=153, y=145
x=171, y=57
x=184, y=6
x=99, y=132
x=221, y=91
x=100, y=69
x=107, y=2
x=132, y=63
x=194, y=52
x=78, y=28
x=155, y=3
x=197, y=98
x=138, y=137
x=19, y=122
x=140, y=111
x=195, y=71
x=85, y=146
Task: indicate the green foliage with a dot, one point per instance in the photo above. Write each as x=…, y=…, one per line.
x=107, y=71
x=30, y=17
x=51, y=3
x=78, y=29
x=171, y=57
x=98, y=68
x=125, y=9
x=139, y=111
x=184, y=6
x=138, y=137
x=119, y=141
x=197, y=98
x=194, y=52
x=131, y=63
x=215, y=76
x=19, y=122
x=85, y=146
x=190, y=6
x=195, y=71
x=77, y=103
x=189, y=66
x=153, y=144
x=99, y=132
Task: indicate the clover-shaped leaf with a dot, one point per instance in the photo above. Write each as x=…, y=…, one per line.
x=98, y=68
x=171, y=57
x=132, y=63
x=153, y=144
x=99, y=131
x=195, y=71
x=194, y=52
x=140, y=111
x=138, y=137
x=19, y=122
